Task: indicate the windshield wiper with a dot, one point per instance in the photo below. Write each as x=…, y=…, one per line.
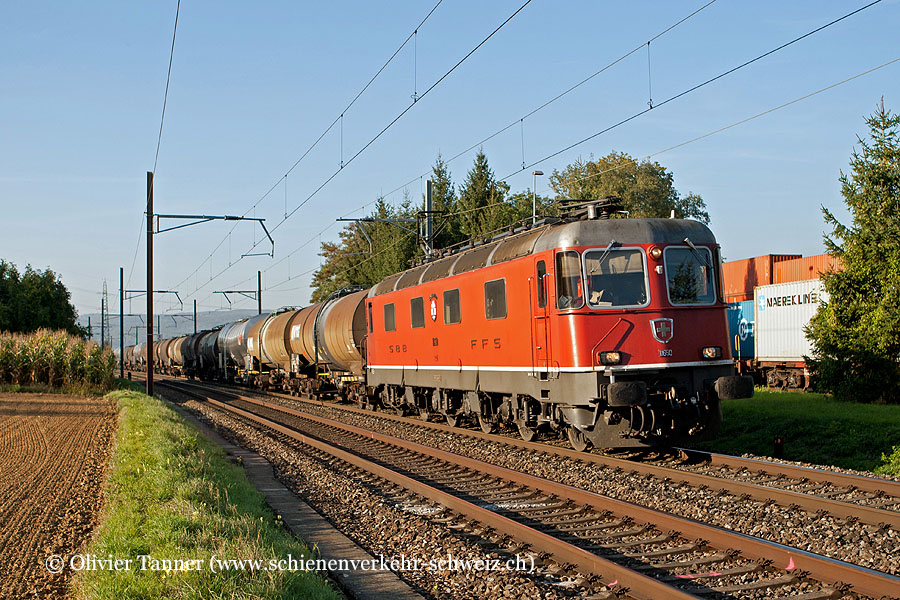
x=604, y=255
x=701, y=255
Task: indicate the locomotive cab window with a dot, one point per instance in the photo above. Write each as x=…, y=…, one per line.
x=689, y=275
x=417, y=312
x=615, y=277
x=452, y=312
x=370, y=317
x=390, y=318
x=569, y=287
x=495, y=299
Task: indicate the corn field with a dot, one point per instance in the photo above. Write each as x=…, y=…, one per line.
x=55, y=358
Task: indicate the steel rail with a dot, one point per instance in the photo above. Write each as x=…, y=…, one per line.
x=859, y=482
x=846, y=510
x=823, y=569
x=638, y=585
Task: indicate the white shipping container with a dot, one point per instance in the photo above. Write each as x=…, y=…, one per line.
x=782, y=310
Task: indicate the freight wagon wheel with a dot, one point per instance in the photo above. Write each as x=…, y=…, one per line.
x=577, y=439
x=425, y=414
x=487, y=425
x=452, y=420
x=527, y=433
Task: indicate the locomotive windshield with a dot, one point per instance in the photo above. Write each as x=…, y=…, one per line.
x=615, y=277
x=689, y=276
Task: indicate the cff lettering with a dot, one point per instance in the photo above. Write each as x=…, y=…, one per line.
x=486, y=344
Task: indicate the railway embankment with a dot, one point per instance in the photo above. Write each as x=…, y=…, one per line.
x=180, y=520
x=813, y=428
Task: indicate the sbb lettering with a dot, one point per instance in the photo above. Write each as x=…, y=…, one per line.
x=392, y=348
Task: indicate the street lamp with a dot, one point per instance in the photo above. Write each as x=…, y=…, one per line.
x=534, y=175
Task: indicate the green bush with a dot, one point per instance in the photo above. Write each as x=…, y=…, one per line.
x=890, y=463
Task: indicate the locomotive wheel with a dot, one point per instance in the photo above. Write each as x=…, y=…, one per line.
x=452, y=420
x=425, y=414
x=527, y=433
x=487, y=426
x=400, y=410
x=577, y=439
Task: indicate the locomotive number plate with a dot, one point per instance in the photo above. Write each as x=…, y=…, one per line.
x=665, y=352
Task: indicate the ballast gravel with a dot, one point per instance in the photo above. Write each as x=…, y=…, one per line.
x=853, y=542
x=401, y=526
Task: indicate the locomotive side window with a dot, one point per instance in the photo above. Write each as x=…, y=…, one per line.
x=417, y=312
x=495, y=299
x=451, y=307
x=568, y=280
x=689, y=275
x=615, y=277
x=541, y=272
x=370, y=317
x=390, y=320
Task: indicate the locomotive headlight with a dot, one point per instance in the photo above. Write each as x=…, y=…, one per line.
x=609, y=357
x=655, y=253
x=711, y=352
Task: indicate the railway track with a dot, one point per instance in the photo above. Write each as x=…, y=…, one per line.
x=857, y=498
x=653, y=554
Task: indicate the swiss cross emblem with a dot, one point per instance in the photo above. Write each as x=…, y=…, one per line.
x=663, y=330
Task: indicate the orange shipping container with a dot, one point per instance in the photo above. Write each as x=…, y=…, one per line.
x=741, y=276
x=802, y=269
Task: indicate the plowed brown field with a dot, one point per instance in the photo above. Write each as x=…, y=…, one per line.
x=53, y=453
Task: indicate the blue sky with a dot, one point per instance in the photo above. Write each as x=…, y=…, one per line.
x=253, y=85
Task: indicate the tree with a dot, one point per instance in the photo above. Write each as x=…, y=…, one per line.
x=647, y=188
x=35, y=300
x=354, y=262
x=482, y=206
x=856, y=335
x=444, y=202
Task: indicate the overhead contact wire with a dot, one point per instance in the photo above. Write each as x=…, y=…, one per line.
x=324, y=133
x=558, y=96
x=161, y=121
x=399, y=116
x=694, y=88
x=520, y=121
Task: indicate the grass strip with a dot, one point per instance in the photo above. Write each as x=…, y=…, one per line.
x=173, y=494
x=814, y=428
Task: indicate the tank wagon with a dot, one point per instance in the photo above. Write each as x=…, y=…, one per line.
x=613, y=331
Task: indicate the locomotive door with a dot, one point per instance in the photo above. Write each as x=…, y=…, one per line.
x=540, y=321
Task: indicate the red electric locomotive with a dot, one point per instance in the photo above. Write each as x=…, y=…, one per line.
x=612, y=329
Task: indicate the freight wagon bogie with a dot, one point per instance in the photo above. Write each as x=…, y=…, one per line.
x=792, y=376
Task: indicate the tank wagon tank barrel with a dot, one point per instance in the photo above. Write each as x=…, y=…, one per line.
x=341, y=329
